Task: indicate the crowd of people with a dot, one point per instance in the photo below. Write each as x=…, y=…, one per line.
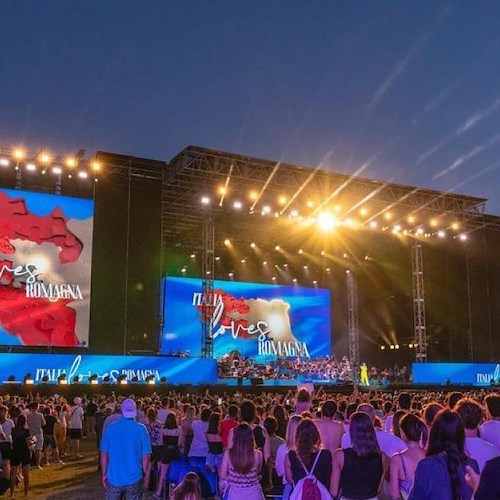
x=366, y=445
x=327, y=368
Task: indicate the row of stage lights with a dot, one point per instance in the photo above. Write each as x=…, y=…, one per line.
x=393, y=347
x=19, y=158
x=327, y=221
x=93, y=380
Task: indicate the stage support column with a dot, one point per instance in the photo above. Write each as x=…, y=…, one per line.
x=419, y=326
x=207, y=283
x=352, y=323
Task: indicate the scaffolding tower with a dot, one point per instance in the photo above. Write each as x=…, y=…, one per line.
x=352, y=323
x=207, y=283
x=419, y=328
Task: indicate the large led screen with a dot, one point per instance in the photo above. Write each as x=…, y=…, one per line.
x=257, y=320
x=45, y=264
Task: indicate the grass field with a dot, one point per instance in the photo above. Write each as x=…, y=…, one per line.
x=75, y=480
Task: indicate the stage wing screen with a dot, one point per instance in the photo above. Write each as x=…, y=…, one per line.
x=45, y=265
x=257, y=320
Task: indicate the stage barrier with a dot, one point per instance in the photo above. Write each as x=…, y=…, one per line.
x=174, y=370
x=479, y=374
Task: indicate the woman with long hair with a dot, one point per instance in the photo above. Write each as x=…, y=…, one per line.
x=170, y=449
x=189, y=488
x=279, y=413
x=6, y=426
x=154, y=429
x=308, y=454
x=241, y=466
x=403, y=465
x=283, y=450
x=358, y=470
x=186, y=426
x=22, y=448
x=442, y=473
x=214, y=439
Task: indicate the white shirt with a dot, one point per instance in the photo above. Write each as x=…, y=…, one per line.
x=279, y=463
x=480, y=450
x=7, y=427
x=76, y=418
x=162, y=415
x=490, y=431
x=389, y=444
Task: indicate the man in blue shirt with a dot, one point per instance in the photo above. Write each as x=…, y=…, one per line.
x=125, y=455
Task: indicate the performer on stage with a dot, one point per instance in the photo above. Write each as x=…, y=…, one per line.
x=363, y=378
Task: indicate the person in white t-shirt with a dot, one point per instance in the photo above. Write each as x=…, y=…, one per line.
x=490, y=430
x=163, y=412
x=6, y=426
x=75, y=427
x=388, y=443
x=479, y=449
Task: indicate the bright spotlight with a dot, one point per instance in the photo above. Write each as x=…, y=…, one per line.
x=205, y=200
x=57, y=170
x=310, y=204
x=31, y=167
x=463, y=237
x=217, y=258
x=183, y=270
x=282, y=200
x=363, y=211
x=301, y=251
x=83, y=175
x=392, y=346
x=266, y=209
x=277, y=248
x=96, y=166
x=396, y=346
x=44, y=158
x=315, y=282
x=388, y=216
x=433, y=222
x=337, y=208
x=71, y=162
x=306, y=267
x=252, y=245
x=253, y=195
x=4, y=162
x=227, y=243
x=420, y=231
x=411, y=219
x=327, y=269
x=322, y=253
x=294, y=213
x=193, y=256
x=264, y=263
x=410, y=346
x=243, y=261
x=441, y=234
x=294, y=280
x=274, y=278
x=397, y=228
x=373, y=224
x=231, y=275
x=455, y=226
x=19, y=154
x=237, y=205
x=222, y=190
x=326, y=221
x=382, y=347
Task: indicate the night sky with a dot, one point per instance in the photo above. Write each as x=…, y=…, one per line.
x=403, y=91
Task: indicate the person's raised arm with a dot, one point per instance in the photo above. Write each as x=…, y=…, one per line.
x=338, y=463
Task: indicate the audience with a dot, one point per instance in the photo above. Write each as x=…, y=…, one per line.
x=286, y=434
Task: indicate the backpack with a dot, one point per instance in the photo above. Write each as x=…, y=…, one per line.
x=309, y=488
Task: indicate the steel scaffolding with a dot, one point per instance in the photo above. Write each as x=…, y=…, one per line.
x=352, y=323
x=207, y=283
x=419, y=328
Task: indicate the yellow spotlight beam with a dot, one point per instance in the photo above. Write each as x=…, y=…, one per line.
x=226, y=184
x=269, y=179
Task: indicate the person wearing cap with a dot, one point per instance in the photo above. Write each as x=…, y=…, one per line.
x=125, y=455
x=75, y=427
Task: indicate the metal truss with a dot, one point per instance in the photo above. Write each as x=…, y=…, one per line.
x=196, y=171
x=352, y=323
x=207, y=284
x=419, y=325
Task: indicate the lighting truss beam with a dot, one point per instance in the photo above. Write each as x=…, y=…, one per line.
x=352, y=324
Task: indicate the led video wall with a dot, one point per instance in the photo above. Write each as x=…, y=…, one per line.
x=257, y=320
x=45, y=266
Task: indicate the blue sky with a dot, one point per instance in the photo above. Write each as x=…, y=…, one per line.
x=402, y=91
